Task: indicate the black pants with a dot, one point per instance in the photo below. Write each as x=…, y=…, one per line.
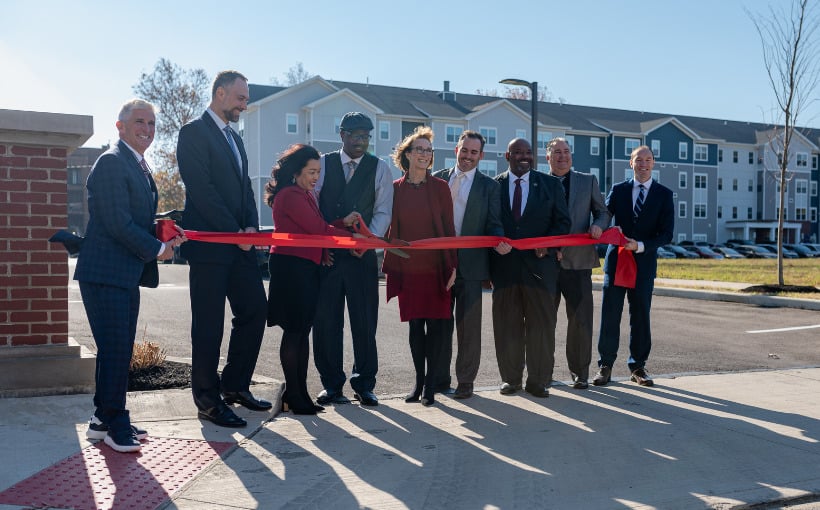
x=428, y=339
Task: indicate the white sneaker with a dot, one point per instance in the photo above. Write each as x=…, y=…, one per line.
x=126, y=442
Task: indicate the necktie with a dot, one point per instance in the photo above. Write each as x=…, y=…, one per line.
x=234, y=148
x=636, y=211
x=565, y=182
x=351, y=167
x=146, y=171
x=459, y=202
x=516, y=205
x=456, y=188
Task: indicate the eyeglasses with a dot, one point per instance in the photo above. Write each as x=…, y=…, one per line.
x=421, y=150
x=358, y=138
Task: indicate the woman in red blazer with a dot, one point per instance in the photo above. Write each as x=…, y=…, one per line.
x=422, y=208
x=294, y=271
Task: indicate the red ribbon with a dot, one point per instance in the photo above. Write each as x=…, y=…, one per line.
x=624, y=275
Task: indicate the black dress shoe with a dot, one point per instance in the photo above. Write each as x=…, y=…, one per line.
x=463, y=390
x=641, y=377
x=538, y=390
x=367, y=398
x=603, y=376
x=578, y=383
x=509, y=389
x=246, y=399
x=325, y=398
x=222, y=416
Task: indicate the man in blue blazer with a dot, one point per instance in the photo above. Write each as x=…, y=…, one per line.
x=644, y=211
x=585, y=201
x=219, y=198
x=476, y=212
x=524, y=282
x=119, y=253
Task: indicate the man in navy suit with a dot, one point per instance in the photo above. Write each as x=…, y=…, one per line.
x=119, y=253
x=219, y=198
x=644, y=211
x=524, y=282
x=476, y=212
x=584, y=200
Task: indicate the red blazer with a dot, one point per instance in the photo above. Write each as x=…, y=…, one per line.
x=295, y=211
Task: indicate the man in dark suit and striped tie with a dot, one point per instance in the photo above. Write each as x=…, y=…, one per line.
x=644, y=211
x=119, y=253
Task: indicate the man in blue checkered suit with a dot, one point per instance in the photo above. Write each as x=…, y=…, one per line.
x=120, y=253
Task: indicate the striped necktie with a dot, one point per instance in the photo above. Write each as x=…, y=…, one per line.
x=636, y=211
x=351, y=167
x=234, y=148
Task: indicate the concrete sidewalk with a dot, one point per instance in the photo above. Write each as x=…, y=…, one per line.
x=705, y=441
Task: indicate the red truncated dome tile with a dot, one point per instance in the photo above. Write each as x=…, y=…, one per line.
x=99, y=478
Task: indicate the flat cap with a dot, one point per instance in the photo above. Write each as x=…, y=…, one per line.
x=356, y=120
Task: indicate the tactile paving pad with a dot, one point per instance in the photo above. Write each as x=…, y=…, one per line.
x=100, y=478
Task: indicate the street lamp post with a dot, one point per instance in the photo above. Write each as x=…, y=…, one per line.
x=534, y=107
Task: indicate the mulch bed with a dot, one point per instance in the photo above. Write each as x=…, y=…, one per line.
x=167, y=375
x=779, y=289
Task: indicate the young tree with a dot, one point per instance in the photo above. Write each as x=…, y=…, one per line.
x=180, y=95
x=295, y=75
x=516, y=92
x=791, y=54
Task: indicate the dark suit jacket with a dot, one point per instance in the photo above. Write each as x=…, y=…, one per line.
x=545, y=214
x=120, y=247
x=655, y=226
x=585, y=200
x=482, y=217
x=217, y=199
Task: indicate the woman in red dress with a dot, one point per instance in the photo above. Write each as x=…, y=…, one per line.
x=422, y=208
x=294, y=272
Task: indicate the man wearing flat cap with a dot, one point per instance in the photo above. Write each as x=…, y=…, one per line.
x=351, y=180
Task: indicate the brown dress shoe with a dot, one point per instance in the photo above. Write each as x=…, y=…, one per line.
x=641, y=377
x=603, y=376
x=463, y=390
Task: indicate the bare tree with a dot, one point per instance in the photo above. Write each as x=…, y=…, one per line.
x=516, y=92
x=791, y=54
x=295, y=75
x=180, y=95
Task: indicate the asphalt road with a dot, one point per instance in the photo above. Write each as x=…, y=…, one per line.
x=689, y=336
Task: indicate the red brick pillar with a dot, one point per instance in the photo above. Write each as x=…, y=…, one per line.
x=36, y=356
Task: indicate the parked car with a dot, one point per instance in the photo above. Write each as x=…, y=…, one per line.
x=814, y=247
x=734, y=243
x=686, y=244
x=665, y=254
x=802, y=251
x=705, y=252
x=787, y=253
x=754, y=251
x=729, y=253
x=680, y=252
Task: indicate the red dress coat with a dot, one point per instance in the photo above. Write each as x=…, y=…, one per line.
x=421, y=212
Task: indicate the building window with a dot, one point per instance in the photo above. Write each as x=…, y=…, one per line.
x=240, y=127
x=751, y=185
x=571, y=143
x=682, y=180
x=749, y=213
x=488, y=167
x=489, y=134
x=720, y=183
x=800, y=214
x=597, y=173
x=681, y=237
x=814, y=188
x=683, y=150
x=544, y=138
x=735, y=156
x=656, y=148
x=801, y=186
x=595, y=146
x=802, y=159
x=813, y=214
x=720, y=155
x=520, y=133
x=751, y=158
x=734, y=212
x=814, y=161
x=700, y=181
x=291, y=123
x=384, y=130
x=734, y=184
x=630, y=144
x=681, y=209
x=701, y=152
x=452, y=133
x=779, y=158
x=699, y=210
x=720, y=211
x=74, y=176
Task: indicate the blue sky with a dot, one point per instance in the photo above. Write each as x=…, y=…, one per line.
x=700, y=57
